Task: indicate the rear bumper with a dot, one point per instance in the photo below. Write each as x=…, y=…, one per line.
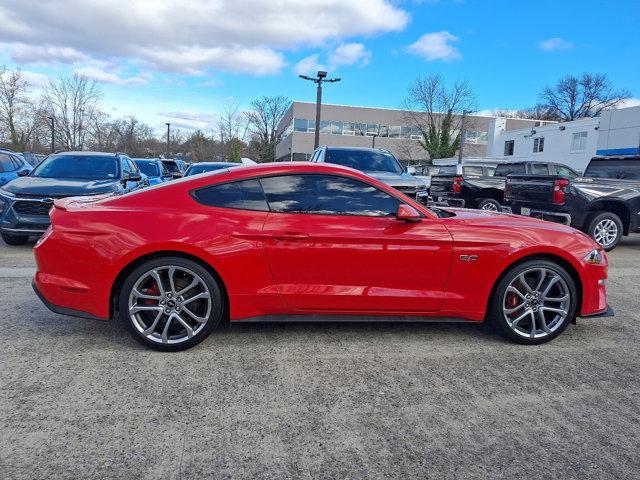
x=445, y=201
x=59, y=309
x=557, y=217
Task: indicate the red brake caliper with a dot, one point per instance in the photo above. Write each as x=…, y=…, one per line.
x=512, y=300
x=154, y=290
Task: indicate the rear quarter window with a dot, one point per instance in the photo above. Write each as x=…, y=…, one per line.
x=511, y=169
x=243, y=195
x=621, y=169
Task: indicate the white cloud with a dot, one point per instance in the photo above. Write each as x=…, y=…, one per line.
x=554, y=44
x=343, y=54
x=189, y=120
x=189, y=36
x=309, y=65
x=436, y=46
x=36, y=80
x=99, y=75
x=630, y=102
x=349, y=54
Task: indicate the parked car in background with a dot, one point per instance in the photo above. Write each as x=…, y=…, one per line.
x=604, y=203
x=425, y=172
x=377, y=163
x=154, y=169
x=300, y=241
x=25, y=202
x=33, y=158
x=176, y=166
x=12, y=165
x=483, y=187
x=203, y=167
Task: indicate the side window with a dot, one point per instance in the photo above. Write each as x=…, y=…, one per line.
x=539, y=169
x=163, y=170
x=6, y=165
x=243, y=195
x=510, y=169
x=327, y=195
x=564, y=172
x=133, y=165
x=17, y=164
x=126, y=168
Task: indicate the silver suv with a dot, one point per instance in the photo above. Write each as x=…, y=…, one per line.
x=377, y=163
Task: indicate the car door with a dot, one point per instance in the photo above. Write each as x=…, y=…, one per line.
x=7, y=169
x=334, y=244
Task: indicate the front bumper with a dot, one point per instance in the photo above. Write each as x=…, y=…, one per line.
x=25, y=216
x=557, y=217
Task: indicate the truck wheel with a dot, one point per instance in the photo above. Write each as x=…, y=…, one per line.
x=10, y=239
x=489, y=204
x=606, y=229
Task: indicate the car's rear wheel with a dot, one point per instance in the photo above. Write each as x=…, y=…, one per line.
x=489, y=204
x=606, y=229
x=534, y=302
x=171, y=303
x=11, y=239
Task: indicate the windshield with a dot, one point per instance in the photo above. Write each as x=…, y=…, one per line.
x=82, y=167
x=621, y=169
x=365, y=160
x=148, y=168
x=195, y=169
x=171, y=165
x=448, y=170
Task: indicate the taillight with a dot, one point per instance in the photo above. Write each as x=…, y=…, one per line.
x=559, y=189
x=457, y=185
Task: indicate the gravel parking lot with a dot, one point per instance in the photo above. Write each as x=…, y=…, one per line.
x=80, y=398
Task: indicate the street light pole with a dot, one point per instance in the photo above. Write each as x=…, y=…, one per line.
x=53, y=135
x=168, y=127
x=463, y=130
x=319, y=80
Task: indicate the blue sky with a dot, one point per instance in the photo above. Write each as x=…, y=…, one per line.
x=183, y=61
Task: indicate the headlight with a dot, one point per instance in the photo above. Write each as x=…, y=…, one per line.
x=594, y=257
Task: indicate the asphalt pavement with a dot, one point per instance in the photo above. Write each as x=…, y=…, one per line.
x=81, y=399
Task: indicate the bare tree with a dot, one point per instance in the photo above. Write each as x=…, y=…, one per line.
x=436, y=111
x=263, y=120
x=73, y=102
x=17, y=112
x=586, y=96
x=232, y=127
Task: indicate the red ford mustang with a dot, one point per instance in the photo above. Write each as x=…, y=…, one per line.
x=308, y=241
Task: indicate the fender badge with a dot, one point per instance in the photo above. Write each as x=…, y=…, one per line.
x=468, y=258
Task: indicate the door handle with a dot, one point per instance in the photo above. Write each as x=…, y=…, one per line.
x=290, y=236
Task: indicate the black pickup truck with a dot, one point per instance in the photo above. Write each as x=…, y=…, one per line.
x=604, y=203
x=482, y=188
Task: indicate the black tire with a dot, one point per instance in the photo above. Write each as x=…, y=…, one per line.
x=490, y=204
x=498, y=317
x=602, y=218
x=214, y=319
x=11, y=239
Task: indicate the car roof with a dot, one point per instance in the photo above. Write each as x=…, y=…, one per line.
x=216, y=164
x=154, y=160
x=90, y=154
x=358, y=149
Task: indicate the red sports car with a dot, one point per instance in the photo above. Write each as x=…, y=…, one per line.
x=307, y=241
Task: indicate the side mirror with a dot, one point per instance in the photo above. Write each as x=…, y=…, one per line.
x=411, y=170
x=176, y=175
x=406, y=213
x=23, y=173
x=133, y=177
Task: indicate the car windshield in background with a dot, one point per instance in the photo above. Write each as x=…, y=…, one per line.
x=148, y=168
x=196, y=169
x=448, y=170
x=171, y=166
x=614, y=168
x=365, y=161
x=83, y=167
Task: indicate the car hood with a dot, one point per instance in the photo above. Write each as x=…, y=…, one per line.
x=515, y=229
x=58, y=187
x=397, y=179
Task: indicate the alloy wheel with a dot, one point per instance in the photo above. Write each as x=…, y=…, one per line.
x=605, y=232
x=490, y=206
x=169, y=304
x=536, y=303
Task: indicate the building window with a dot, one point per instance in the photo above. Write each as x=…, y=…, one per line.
x=325, y=127
x=336, y=128
x=361, y=129
x=416, y=134
x=538, y=145
x=372, y=129
x=312, y=126
x=509, y=145
x=476, y=138
x=579, y=142
x=300, y=124
x=394, y=131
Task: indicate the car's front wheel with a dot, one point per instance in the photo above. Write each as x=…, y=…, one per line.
x=171, y=303
x=534, y=302
x=11, y=239
x=489, y=204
